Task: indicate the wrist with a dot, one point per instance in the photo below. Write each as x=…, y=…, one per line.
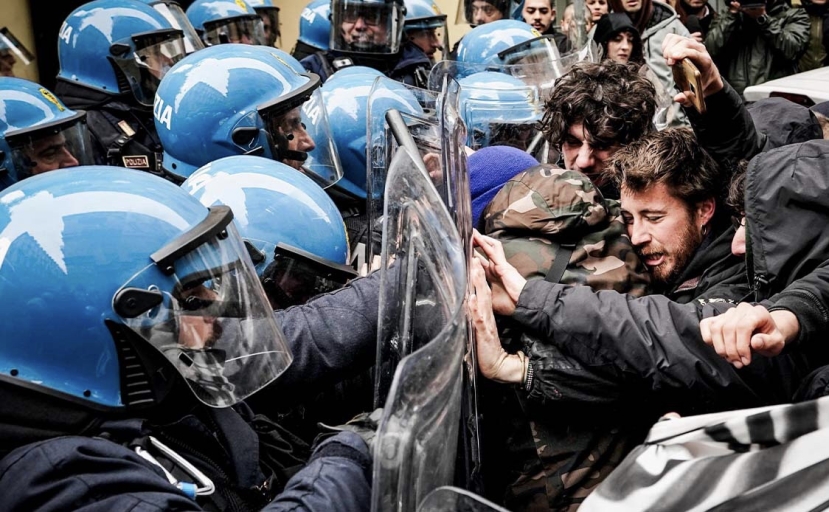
x=786, y=323
x=514, y=369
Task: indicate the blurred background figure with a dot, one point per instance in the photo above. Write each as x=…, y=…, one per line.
x=568, y=23
x=37, y=132
x=226, y=21
x=697, y=16
x=425, y=27
x=314, y=29
x=598, y=8
x=817, y=51
x=269, y=12
x=619, y=39
x=758, y=42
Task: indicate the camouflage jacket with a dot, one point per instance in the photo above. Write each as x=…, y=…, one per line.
x=544, y=207
x=557, y=454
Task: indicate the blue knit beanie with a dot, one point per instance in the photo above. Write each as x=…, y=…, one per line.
x=489, y=169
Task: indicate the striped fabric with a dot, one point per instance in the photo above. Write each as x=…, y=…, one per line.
x=771, y=459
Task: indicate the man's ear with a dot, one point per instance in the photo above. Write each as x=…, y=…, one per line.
x=705, y=210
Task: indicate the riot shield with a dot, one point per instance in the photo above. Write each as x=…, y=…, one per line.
x=423, y=128
x=452, y=499
x=459, y=203
x=421, y=339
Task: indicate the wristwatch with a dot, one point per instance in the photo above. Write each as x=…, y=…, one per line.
x=762, y=19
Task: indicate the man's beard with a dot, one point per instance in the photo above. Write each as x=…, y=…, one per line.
x=686, y=242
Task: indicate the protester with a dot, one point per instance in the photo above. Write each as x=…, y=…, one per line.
x=817, y=50
x=489, y=169
x=594, y=110
x=758, y=43
x=541, y=15
x=784, y=122
x=697, y=16
x=619, y=39
x=654, y=21
x=598, y=8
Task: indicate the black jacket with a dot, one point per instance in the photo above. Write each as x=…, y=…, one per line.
x=651, y=344
x=122, y=134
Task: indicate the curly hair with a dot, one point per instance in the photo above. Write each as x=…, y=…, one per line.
x=737, y=188
x=674, y=158
x=614, y=104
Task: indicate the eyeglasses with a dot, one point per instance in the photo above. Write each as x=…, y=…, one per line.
x=371, y=17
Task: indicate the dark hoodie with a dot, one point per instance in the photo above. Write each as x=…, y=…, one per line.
x=784, y=122
x=613, y=23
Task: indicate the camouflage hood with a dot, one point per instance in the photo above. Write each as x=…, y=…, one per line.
x=545, y=206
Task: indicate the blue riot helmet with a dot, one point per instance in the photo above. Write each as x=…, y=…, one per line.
x=346, y=96
x=37, y=132
x=139, y=44
x=234, y=99
x=172, y=11
x=314, y=29
x=294, y=232
x=425, y=27
x=226, y=21
x=115, y=283
x=499, y=109
x=367, y=26
x=269, y=12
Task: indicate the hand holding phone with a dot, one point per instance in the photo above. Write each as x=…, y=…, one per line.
x=689, y=81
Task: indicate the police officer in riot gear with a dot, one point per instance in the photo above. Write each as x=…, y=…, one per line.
x=363, y=33
x=113, y=54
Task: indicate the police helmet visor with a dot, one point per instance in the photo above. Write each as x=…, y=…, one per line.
x=270, y=24
x=366, y=27
x=295, y=276
x=48, y=148
x=200, y=304
x=300, y=135
x=153, y=55
x=241, y=30
x=173, y=13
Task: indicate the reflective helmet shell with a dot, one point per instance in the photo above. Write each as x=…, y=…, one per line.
x=483, y=43
x=315, y=25
x=89, y=32
x=70, y=240
x=346, y=96
x=423, y=14
x=207, y=95
x=273, y=203
x=205, y=11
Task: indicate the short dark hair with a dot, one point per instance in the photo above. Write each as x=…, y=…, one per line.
x=672, y=157
x=737, y=189
x=612, y=101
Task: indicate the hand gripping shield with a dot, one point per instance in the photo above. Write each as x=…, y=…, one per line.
x=421, y=340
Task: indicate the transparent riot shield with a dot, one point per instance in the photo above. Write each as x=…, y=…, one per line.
x=452, y=499
x=421, y=339
x=423, y=128
x=455, y=179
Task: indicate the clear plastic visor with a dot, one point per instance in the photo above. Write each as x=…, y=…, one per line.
x=241, y=30
x=302, y=137
x=153, y=57
x=270, y=24
x=295, y=276
x=212, y=321
x=48, y=149
x=432, y=38
x=178, y=19
x=366, y=28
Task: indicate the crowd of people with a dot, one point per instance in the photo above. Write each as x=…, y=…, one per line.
x=201, y=289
